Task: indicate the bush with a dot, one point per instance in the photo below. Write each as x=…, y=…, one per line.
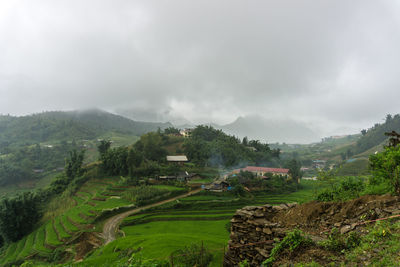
x=386, y=167
x=338, y=242
x=344, y=189
x=291, y=241
x=335, y=241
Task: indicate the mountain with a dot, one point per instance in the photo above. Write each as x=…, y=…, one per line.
x=268, y=130
x=155, y=116
x=61, y=125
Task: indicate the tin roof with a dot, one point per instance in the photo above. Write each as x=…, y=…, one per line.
x=182, y=158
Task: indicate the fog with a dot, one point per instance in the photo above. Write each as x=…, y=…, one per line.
x=330, y=65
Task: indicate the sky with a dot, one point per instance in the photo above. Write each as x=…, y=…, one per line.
x=332, y=65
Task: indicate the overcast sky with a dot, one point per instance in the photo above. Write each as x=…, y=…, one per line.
x=334, y=65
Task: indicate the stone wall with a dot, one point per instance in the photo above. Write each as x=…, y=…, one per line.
x=255, y=229
x=253, y=234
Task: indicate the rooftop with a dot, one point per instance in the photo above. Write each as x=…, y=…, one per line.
x=182, y=158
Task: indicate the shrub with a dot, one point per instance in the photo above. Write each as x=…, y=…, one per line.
x=335, y=241
x=291, y=241
x=344, y=189
x=338, y=242
x=386, y=167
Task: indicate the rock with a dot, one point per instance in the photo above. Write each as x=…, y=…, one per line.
x=345, y=229
x=236, y=220
x=378, y=211
x=283, y=206
x=263, y=252
x=243, y=213
x=278, y=208
x=250, y=208
x=267, y=231
x=258, y=222
x=258, y=213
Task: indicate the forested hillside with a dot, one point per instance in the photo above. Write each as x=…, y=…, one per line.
x=59, y=126
x=376, y=135
x=32, y=146
x=212, y=147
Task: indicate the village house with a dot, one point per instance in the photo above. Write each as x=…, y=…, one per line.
x=179, y=160
x=218, y=186
x=181, y=176
x=262, y=171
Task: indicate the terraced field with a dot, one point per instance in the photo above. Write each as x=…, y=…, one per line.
x=156, y=233
x=92, y=200
x=201, y=218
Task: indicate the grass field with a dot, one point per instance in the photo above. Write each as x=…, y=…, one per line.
x=201, y=218
x=157, y=232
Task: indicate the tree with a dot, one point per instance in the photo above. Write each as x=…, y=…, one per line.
x=171, y=130
x=295, y=172
x=245, y=141
x=150, y=145
x=103, y=147
x=73, y=164
x=363, y=132
x=18, y=216
x=386, y=167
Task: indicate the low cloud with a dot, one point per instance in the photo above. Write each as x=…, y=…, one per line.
x=331, y=64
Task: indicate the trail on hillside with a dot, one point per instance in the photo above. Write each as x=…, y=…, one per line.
x=112, y=224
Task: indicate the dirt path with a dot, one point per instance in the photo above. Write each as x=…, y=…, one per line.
x=112, y=224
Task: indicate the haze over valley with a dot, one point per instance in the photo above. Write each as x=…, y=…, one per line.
x=199, y=133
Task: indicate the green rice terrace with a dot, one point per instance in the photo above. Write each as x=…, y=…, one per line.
x=154, y=233
x=83, y=214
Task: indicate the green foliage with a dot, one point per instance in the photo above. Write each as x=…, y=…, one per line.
x=18, y=216
x=103, y=147
x=295, y=172
x=171, y=130
x=244, y=263
x=386, y=167
x=151, y=146
x=73, y=164
x=207, y=146
x=343, y=189
x=291, y=241
x=380, y=231
x=115, y=161
x=59, y=125
x=338, y=243
x=20, y=164
x=335, y=241
x=354, y=168
x=376, y=135
x=192, y=255
x=353, y=240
